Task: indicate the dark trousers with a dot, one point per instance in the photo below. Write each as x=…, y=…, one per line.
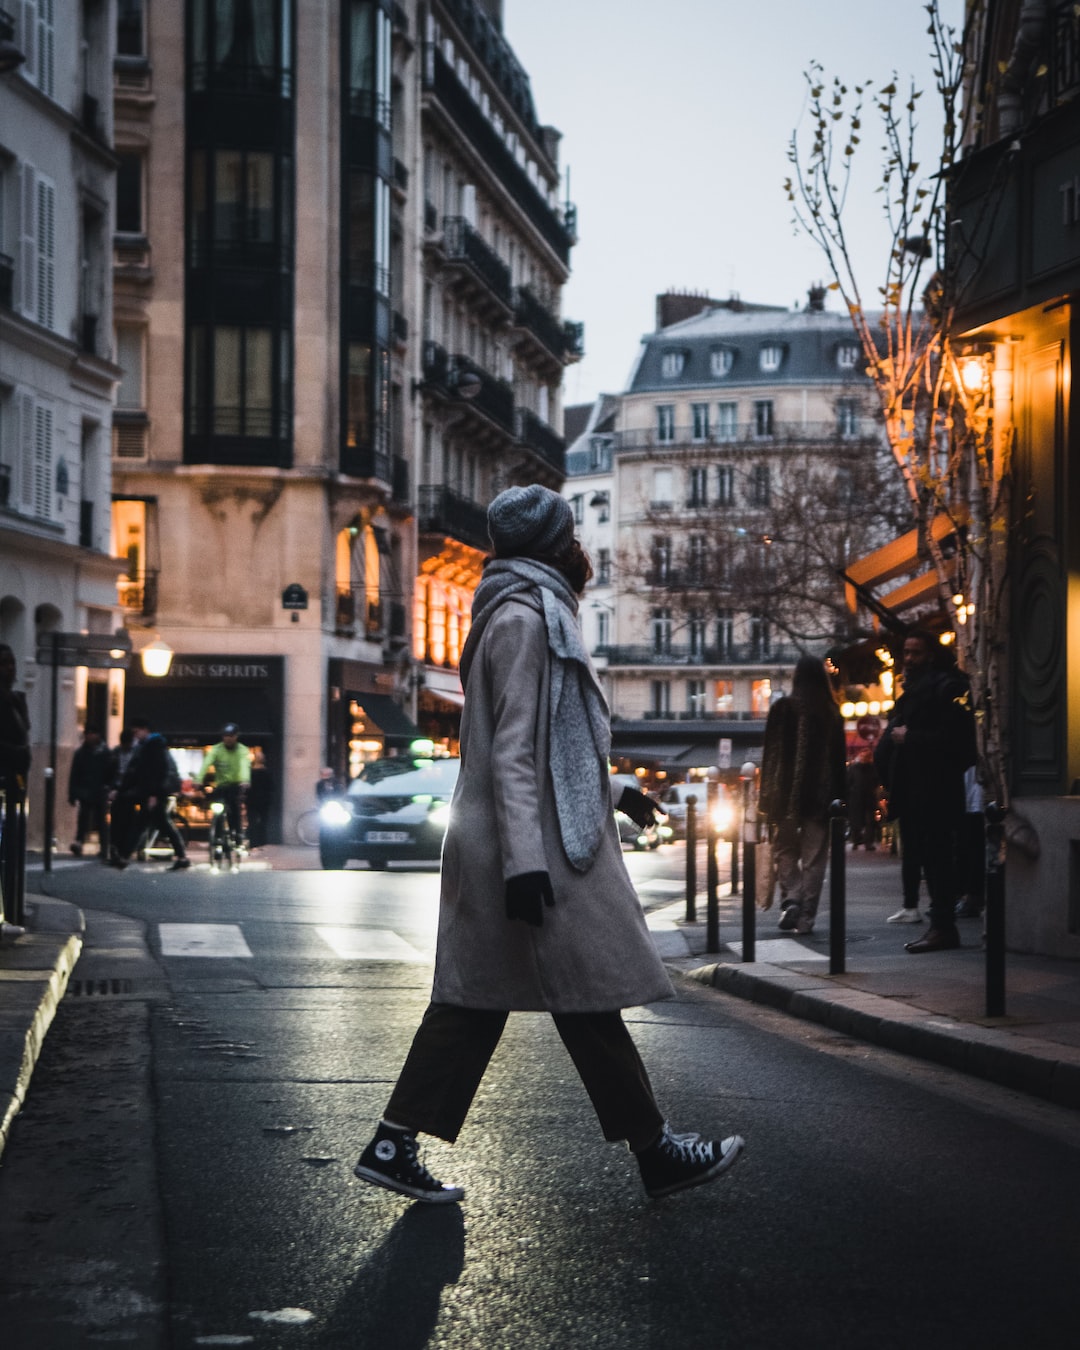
x=93, y=815
x=453, y=1046
x=929, y=844
x=127, y=826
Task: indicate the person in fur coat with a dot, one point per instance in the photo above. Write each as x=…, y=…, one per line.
x=537, y=911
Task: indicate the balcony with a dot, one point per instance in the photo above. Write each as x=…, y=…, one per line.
x=534, y=316
x=866, y=431
x=463, y=244
x=541, y=439
x=441, y=82
x=495, y=399
x=444, y=511
x=352, y=607
x=733, y=654
x=5, y=485
x=88, y=328
x=137, y=594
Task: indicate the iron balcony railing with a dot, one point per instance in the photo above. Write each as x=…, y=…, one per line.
x=735, y=654
x=464, y=244
x=531, y=313
x=352, y=608
x=539, y=437
x=495, y=398
x=7, y=280
x=745, y=433
x=137, y=593
x=444, y=511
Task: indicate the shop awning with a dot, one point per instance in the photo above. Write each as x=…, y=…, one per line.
x=660, y=752
x=899, y=558
x=387, y=716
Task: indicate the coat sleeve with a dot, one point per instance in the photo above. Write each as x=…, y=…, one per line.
x=516, y=658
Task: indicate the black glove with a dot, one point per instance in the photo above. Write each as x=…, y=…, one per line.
x=526, y=896
x=640, y=807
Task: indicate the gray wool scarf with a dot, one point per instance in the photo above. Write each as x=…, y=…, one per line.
x=580, y=728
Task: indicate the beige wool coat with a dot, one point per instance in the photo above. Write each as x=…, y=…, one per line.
x=593, y=952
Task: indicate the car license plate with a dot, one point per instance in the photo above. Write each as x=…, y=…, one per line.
x=387, y=837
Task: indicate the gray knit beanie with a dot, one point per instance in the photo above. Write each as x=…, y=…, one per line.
x=530, y=521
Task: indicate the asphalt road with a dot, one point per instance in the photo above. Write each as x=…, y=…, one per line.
x=181, y=1174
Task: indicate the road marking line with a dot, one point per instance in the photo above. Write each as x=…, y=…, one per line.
x=203, y=939
x=369, y=944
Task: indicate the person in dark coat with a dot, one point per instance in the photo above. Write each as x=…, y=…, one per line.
x=536, y=908
x=144, y=788
x=14, y=726
x=260, y=794
x=929, y=743
x=88, y=790
x=802, y=771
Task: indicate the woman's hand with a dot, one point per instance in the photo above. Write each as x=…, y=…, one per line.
x=526, y=896
x=640, y=807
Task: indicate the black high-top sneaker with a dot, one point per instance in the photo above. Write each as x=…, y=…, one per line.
x=390, y=1160
x=675, y=1162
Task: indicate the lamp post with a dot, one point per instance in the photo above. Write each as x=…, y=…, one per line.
x=156, y=658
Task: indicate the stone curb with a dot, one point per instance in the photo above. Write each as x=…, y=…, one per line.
x=34, y=976
x=1025, y=1064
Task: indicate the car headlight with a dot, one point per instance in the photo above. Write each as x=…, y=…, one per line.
x=334, y=814
x=440, y=815
x=723, y=819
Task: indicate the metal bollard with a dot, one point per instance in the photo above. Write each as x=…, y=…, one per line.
x=712, y=874
x=50, y=815
x=691, y=859
x=837, y=887
x=995, y=910
x=749, y=892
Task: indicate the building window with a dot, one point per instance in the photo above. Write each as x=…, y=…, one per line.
x=726, y=421
x=772, y=358
x=37, y=466
x=696, y=559
x=763, y=417
x=37, y=257
x=129, y=194
x=696, y=634
x=603, y=567
x=129, y=357
x=661, y=559
x=699, y=415
x=697, y=486
x=663, y=487
x=660, y=630
x=847, y=355
x=760, y=485
x=672, y=364
x=721, y=359
x=760, y=637
x=37, y=42
x=695, y=698
x=660, y=695
x=725, y=484
x=725, y=695
x=577, y=505
x=845, y=486
x=599, y=454
x=847, y=417
x=604, y=628
x=665, y=423
x=602, y=502
x=242, y=45
x=130, y=37
x=369, y=62
x=725, y=632
x=760, y=697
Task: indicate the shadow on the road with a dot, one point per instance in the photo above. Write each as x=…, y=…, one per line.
x=394, y=1299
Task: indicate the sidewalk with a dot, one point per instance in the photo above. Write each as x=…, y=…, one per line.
x=931, y=1006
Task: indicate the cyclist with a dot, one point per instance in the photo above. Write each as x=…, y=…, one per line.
x=231, y=763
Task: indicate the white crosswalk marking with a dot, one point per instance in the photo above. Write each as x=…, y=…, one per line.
x=203, y=939
x=369, y=944
x=780, y=951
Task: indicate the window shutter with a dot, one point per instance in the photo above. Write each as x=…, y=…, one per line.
x=28, y=39
x=43, y=444
x=24, y=440
x=46, y=252
x=46, y=46
x=27, y=298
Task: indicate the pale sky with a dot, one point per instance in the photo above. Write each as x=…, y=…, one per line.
x=676, y=119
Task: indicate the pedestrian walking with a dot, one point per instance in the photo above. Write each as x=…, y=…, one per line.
x=141, y=801
x=802, y=772
x=88, y=791
x=537, y=911
x=929, y=743
x=260, y=794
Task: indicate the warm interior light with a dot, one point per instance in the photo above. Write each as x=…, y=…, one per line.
x=847, y=710
x=973, y=373
x=947, y=639
x=156, y=658
x=862, y=708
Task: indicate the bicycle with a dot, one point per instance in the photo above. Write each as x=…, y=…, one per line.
x=225, y=845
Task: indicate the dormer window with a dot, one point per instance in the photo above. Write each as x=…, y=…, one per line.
x=772, y=357
x=672, y=365
x=721, y=359
x=847, y=355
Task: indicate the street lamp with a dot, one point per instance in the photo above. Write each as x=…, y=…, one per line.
x=156, y=658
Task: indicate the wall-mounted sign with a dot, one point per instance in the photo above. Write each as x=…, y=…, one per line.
x=294, y=597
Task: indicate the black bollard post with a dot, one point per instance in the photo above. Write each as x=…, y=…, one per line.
x=736, y=831
x=712, y=874
x=749, y=891
x=837, y=888
x=691, y=859
x=995, y=910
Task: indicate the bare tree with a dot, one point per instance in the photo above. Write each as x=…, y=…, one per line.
x=950, y=436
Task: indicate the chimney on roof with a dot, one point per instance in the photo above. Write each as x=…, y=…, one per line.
x=815, y=299
x=675, y=306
